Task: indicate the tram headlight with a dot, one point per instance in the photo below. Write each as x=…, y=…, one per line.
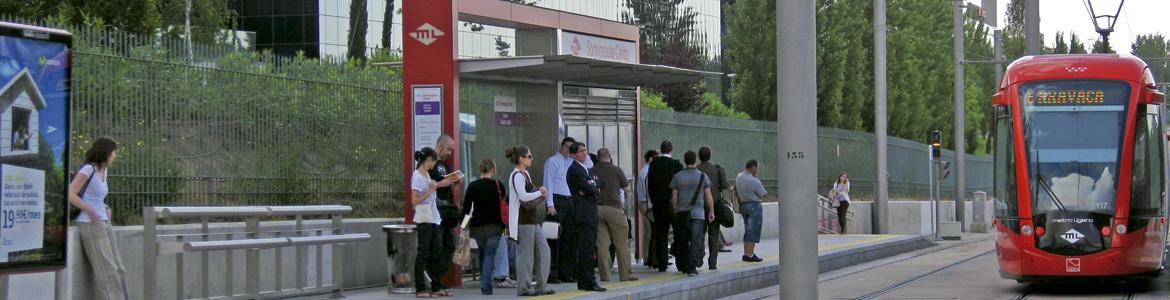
x=1120, y=229
x=1026, y=229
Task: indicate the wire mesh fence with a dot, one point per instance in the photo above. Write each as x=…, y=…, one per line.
x=734, y=141
x=221, y=126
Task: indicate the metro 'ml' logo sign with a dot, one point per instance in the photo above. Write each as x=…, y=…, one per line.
x=427, y=34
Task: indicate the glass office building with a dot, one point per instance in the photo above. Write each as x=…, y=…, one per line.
x=320, y=28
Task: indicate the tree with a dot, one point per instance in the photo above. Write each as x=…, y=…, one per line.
x=502, y=46
x=752, y=56
x=208, y=17
x=1075, y=44
x=1061, y=46
x=358, y=23
x=1099, y=47
x=388, y=24
x=1153, y=46
x=135, y=16
x=668, y=37
x=1013, y=31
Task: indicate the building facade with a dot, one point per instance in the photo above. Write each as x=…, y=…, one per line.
x=320, y=28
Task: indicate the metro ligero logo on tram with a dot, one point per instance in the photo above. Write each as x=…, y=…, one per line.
x=1072, y=236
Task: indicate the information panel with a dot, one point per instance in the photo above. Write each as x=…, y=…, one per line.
x=34, y=105
x=428, y=115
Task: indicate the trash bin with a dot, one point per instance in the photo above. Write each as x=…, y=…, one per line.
x=401, y=245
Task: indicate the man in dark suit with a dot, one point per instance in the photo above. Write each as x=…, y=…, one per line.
x=662, y=171
x=585, y=187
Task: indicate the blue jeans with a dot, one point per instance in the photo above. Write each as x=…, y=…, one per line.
x=697, y=234
x=753, y=215
x=488, y=239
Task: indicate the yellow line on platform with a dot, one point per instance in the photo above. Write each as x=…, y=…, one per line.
x=674, y=275
x=875, y=238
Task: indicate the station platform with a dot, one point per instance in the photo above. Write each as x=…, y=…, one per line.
x=734, y=276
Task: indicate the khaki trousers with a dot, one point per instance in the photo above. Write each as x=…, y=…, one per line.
x=100, y=246
x=612, y=229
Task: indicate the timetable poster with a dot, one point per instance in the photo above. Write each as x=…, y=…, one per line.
x=34, y=95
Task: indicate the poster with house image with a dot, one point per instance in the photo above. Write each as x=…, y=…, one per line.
x=21, y=100
x=34, y=103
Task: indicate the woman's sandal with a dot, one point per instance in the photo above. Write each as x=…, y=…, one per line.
x=424, y=295
x=443, y=293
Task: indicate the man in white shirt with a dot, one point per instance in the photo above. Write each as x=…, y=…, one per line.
x=560, y=206
x=644, y=202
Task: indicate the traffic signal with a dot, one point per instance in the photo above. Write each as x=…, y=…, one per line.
x=936, y=143
x=946, y=170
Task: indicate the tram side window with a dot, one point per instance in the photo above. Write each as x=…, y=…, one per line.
x=1146, y=192
x=1006, y=204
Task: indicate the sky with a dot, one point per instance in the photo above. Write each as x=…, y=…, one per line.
x=1136, y=17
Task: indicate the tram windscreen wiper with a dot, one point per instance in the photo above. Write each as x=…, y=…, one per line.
x=1051, y=194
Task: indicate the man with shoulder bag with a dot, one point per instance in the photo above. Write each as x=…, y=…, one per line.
x=714, y=234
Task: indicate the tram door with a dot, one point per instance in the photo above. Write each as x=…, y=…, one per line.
x=603, y=118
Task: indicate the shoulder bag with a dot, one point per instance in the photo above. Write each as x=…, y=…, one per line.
x=531, y=212
x=74, y=212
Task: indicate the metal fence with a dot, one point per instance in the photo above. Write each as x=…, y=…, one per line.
x=735, y=141
x=218, y=126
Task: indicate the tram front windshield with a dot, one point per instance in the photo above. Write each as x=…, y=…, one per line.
x=1073, y=134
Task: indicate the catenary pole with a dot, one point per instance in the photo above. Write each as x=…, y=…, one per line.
x=796, y=85
x=960, y=129
x=1032, y=27
x=881, y=212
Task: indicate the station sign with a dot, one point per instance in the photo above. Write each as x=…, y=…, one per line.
x=596, y=47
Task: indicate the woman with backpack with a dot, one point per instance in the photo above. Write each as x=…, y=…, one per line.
x=427, y=220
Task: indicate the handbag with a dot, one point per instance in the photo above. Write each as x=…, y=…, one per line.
x=531, y=212
x=503, y=204
x=74, y=212
x=422, y=213
x=551, y=230
x=463, y=245
x=724, y=214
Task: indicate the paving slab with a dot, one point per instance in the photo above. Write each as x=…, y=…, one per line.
x=733, y=277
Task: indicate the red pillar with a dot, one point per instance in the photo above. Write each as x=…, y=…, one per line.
x=430, y=58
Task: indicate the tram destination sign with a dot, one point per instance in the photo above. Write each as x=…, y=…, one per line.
x=1074, y=92
x=1066, y=97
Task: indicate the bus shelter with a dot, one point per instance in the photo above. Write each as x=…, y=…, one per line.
x=572, y=75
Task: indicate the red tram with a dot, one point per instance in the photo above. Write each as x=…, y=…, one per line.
x=1080, y=181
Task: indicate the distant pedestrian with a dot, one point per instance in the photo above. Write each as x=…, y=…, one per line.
x=526, y=213
x=750, y=192
x=661, y=174
x=484, y=197
x=87, y=192
x=612, y=229
x=841, y=196
x=693, y=209
x=644, y=206
x=430, y=263
x=718, y=178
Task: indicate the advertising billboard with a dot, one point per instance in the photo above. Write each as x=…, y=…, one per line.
x=34, y=147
